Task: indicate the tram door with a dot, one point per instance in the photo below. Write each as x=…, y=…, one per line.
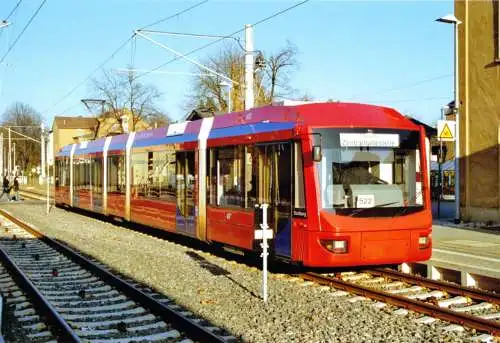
x=274, y=187
x=185, y=221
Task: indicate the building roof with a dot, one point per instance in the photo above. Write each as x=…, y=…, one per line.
x=199, y=113
x=429, y=130
x=74, y=122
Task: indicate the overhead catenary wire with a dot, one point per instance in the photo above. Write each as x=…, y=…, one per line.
x=23, y=30
x=13, y=10
x=120, y=47
x=89, y=76
x=403, y=87
x=11, y=13
x=407, y=100
x=222, y=38
x=174, y=15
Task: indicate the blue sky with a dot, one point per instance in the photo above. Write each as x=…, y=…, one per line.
x=363, y=51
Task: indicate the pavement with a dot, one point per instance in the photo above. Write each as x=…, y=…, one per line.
x=470, y=247
x=476, y=252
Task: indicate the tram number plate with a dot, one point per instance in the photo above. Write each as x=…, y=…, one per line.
x=365, y=201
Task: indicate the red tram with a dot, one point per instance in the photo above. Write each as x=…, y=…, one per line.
x=347, y=184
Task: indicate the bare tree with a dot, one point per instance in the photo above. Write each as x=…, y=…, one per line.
x=158, y=119
x=124, y=92
x=26, y=121
x=269, y=81
x=278, y=69
x=208, y=89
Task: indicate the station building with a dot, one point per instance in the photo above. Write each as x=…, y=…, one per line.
x=479, y=115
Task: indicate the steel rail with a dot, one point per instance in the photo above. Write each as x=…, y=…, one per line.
x=472, y=293
x=56, y=323
x=30, y=195
x=183, y=323
x=414, y=305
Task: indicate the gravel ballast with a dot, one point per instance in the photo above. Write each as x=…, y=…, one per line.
x=227, y=293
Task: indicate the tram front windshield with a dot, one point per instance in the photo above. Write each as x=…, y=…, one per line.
x=369, y=172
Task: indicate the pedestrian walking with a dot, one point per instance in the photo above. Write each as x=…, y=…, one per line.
x=15, y=197
x=5, y=187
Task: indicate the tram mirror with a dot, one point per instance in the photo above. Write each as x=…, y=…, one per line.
x=317, y=156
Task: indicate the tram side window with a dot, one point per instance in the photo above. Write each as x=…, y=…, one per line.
x=116, y=174
x=75, y=174
x=86, y=171
x=81, y=174
x=96, y=173
x=58, y=172
x=163, y=175
x=62, y=166
x=299, y=203
x=64, y=177
x=229, y=165
x=231, y=177
x=140, y=179
x=211, y=178
x=250, y=177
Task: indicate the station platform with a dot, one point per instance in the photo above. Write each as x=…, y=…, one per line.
x=468, y=256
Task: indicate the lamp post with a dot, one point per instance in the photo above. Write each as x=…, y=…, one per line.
x=228, y=86
x=451, y=19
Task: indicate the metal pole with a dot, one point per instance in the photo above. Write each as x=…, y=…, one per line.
x=264, y=244
x=14, y=157
x=42, y=141
x=47, y=181
x=457, y=131
x=9, y=155
x=249, y=97
x=440, y=171
x=1, y=153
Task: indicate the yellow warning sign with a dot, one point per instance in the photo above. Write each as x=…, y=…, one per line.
x=446, y=130
x=446, y=133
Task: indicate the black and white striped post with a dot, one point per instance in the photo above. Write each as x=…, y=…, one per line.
x=264, y=234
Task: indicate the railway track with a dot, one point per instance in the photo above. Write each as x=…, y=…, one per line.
x=58, y=294
x=469, y=307
x=473, y=308
x=34, y=195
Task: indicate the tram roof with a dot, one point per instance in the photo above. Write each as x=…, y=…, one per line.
x=326, y=114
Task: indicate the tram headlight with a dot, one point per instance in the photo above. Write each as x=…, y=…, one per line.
x=335, y=246
x=423, y=242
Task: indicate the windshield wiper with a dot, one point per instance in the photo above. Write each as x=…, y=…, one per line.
x=359, y=210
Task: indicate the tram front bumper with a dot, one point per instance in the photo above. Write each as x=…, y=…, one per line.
x=332, y=249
